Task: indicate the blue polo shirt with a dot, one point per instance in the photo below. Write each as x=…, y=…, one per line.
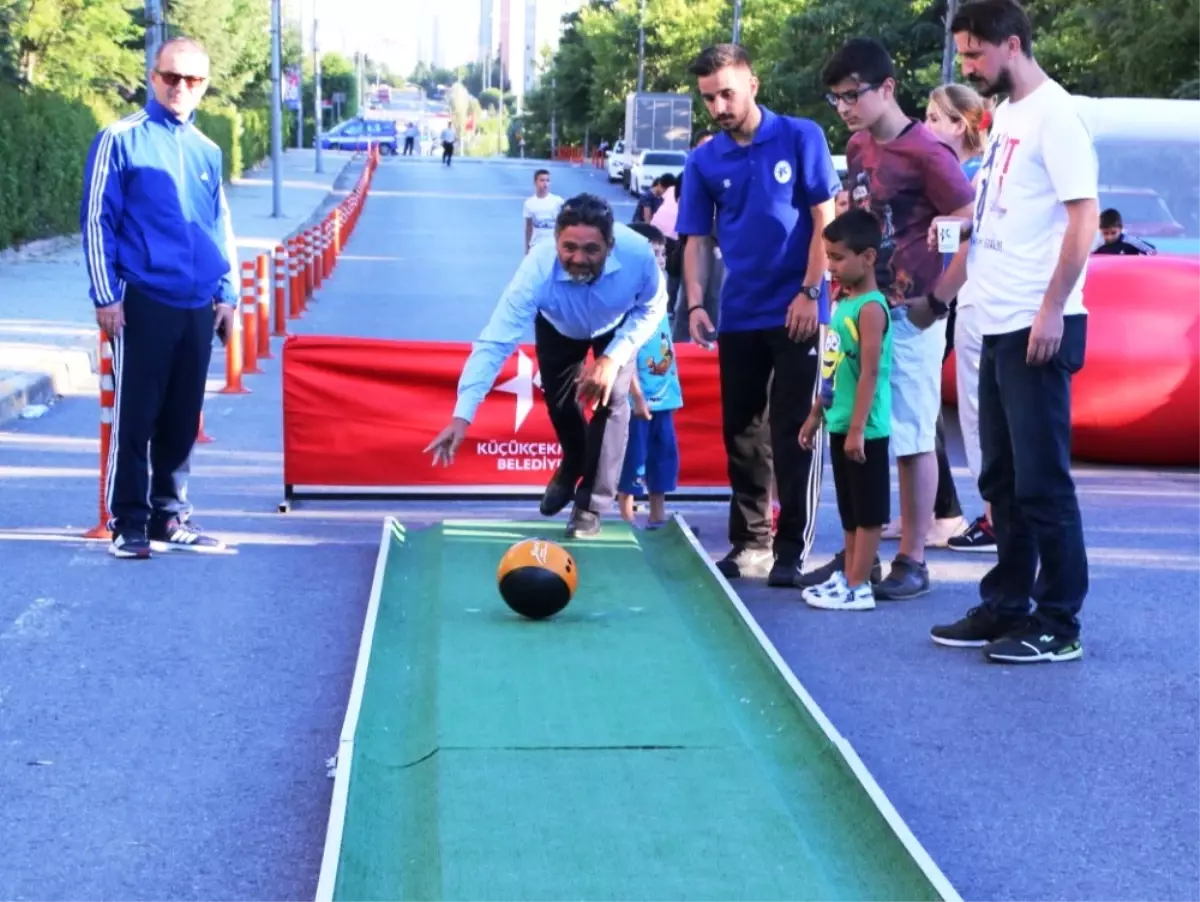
x=761, y=196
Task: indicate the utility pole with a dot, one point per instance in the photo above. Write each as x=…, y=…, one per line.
x=641, y=46
x=318, y=110
x=276, y=109
x=948, y=43
x=154, y=39
x=300, y=72
x=553, y=117
x=737, y=21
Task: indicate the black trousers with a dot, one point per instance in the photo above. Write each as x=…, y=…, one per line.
x=160, y=365
x=768, y=383
x=409, y=143
x=592, y=451
x=945, y=502
x=447, y=151
x=1025, y=437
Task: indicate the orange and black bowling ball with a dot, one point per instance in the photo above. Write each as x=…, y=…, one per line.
x=537, y=578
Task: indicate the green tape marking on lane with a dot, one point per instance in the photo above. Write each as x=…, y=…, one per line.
x=639, y=745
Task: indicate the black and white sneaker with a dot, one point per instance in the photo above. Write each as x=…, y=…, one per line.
x=1034, y=646
x=183, y=536
x=130, y=546
x=825, y=572
x=978, y=628
x=747, y=563
x=978, y=538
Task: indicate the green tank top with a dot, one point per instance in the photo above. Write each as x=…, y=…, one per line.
x=841, y=366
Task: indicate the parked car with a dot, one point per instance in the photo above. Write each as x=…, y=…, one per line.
x=653, y=164
x=358, y=134
x=616, y=162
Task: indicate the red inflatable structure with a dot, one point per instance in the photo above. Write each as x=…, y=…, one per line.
x=1137, y=398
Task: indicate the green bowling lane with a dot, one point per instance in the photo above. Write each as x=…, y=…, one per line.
x=643, y=744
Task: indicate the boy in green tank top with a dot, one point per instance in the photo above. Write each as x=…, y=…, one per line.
x=855, y=402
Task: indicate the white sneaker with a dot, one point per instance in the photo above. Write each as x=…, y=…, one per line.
x=835, y=585
x=843, y=598
x=891, y=532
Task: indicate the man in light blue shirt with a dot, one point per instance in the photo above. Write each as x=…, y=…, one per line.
x=596, y=287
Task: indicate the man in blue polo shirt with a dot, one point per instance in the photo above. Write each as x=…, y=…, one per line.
x=770, y=182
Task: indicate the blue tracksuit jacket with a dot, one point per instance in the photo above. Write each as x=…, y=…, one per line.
x=154, y=215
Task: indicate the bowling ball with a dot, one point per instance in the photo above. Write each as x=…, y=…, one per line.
x=537, y=578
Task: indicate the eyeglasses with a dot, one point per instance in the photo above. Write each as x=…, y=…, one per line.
x=172, y=79
x=850, y=98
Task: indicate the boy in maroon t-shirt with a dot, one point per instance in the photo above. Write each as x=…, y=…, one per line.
x=899, y=170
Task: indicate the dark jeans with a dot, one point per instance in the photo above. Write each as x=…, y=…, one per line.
x=757, y=367
x=592, y=451
x=945, y=501
x=1025, y=438
x=160, y=364
x=447, y=152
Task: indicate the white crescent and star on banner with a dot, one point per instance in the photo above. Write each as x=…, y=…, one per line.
x=522, y=385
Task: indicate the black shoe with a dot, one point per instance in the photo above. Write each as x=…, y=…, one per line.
x=1032, y=646
x=825, y=572
x=784, y=572
x=176, y=535
x=131, y=545
x=981, y=626
x=746, y=563
x=583, y=525
x=907, y=579
x=558, y=493
x=978, y=537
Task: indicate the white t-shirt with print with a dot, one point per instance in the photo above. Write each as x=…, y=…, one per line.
x=543, y=211
x=1039, y=156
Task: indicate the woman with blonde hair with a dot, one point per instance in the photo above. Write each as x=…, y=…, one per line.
x=961, y=118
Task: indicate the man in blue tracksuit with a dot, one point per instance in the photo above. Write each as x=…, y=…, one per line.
x=158, y=243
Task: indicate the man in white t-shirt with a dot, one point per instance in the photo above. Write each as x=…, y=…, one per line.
x=1029, y=240
x=541, y=211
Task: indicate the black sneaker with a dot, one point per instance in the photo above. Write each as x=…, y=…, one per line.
x=979, y=627
x=978, y=537
x=1033, y=646
x=583, y=525
x=131, y=545
x=176, y=535
x=784, y=572
x=907, y=579
x=558, y=494
x=825, y=572
x=746, y=563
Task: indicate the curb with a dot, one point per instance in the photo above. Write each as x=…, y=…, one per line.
x=18, y=390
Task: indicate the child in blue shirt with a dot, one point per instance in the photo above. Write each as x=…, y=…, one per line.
x=652, y=453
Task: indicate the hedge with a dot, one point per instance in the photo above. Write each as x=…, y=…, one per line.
x=44, y=141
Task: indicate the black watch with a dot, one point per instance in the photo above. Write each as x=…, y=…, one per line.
x=812, y=292
x=939, y=308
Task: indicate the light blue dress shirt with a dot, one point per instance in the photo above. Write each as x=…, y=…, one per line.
x=629, y=288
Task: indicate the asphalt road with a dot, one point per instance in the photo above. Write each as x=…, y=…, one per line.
x=164, y=726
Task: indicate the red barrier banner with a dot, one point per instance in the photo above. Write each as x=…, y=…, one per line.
x=358, y=413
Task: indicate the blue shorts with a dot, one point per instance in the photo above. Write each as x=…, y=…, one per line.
x=651, y=456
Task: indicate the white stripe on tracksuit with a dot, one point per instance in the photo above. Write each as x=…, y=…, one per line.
x=812, y=489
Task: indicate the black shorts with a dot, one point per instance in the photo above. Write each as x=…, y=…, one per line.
x=864, y=491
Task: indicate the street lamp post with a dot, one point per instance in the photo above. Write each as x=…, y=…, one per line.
x=737, y=21
x=276, y=110
x=318, y=112
x=641, y=47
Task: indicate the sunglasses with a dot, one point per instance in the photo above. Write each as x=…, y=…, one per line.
x=173, y=79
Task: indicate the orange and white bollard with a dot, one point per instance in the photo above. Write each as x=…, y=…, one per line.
x=234, y=364
x=202, y=437
x=249, y=320
x=108, y=402
x=338, y=238
x=281, y=277
x=262, y=273
x=296, y=283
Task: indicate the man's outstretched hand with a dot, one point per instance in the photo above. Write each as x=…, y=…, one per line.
x=446, y=443
x=596, y=382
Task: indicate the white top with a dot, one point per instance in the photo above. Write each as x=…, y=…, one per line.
x=544, y=212
x=1039, y=156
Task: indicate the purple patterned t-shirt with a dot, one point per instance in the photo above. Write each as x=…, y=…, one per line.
x=906, y=183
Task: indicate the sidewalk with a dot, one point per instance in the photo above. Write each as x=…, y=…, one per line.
x=48, y=335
